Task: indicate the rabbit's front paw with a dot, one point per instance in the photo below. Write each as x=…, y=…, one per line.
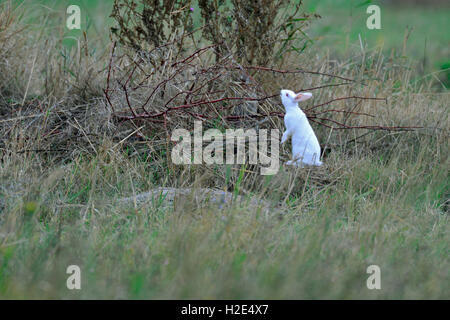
x=284, y=137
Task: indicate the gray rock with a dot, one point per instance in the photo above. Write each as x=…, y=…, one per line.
x=198, y=196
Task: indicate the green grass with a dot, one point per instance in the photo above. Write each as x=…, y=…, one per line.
x=384, y=213
x=339, y=31
x=385, y=202
x=344, y=21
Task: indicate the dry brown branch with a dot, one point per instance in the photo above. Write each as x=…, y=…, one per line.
x=182, y=89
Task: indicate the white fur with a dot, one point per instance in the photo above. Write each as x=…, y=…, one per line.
x=305, y=146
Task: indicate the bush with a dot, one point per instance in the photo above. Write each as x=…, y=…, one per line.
x=252, y=31
x=150, y=23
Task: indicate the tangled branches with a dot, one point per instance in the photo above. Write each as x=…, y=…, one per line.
x=222, y=93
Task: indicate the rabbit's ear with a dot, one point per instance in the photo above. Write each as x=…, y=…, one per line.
x=302, y=96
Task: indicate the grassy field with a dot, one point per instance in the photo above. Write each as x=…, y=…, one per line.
x=339, y=30
x=383, y=201
x=344, y=22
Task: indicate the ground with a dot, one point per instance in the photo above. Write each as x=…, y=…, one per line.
x=383, y=201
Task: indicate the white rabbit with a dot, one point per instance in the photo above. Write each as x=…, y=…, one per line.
x=305, y=146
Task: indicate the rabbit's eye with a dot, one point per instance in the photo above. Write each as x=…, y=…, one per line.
x=287, y=95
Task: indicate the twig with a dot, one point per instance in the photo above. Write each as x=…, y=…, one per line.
x=297, y=71
x=29, y=79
